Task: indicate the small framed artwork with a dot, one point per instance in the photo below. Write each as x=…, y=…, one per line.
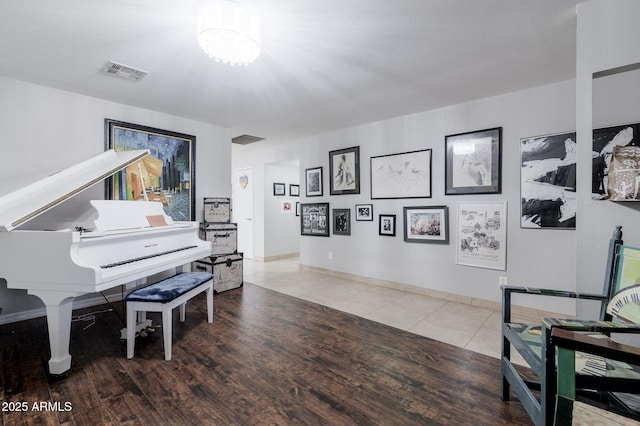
x=341, y=221
x=473, y=162
x=287, y=206
x=279, y=189
x=548, y=181
x=297, y=208
x=294, y=190
x=314, y=219
x=426, y=224
x=344, y=168
x=482, y=235
x=364, y=212
x=387, y=225
x=314, y=182
x=605, y=140
x=405, y=175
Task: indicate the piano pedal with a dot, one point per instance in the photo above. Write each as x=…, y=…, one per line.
x=140, y=327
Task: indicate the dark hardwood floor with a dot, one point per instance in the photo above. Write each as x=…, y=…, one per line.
x=268, y=359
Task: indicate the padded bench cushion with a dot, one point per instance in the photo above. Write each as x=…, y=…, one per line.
x=168, y=289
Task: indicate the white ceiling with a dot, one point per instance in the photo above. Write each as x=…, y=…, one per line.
x=325, y=64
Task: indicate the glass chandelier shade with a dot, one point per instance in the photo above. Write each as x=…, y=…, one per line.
x=229, y=31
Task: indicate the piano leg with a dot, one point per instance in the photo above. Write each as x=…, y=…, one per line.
x=59, y=306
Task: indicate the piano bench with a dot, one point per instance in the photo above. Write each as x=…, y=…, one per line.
x=164, y=296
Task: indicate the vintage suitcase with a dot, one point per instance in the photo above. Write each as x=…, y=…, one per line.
x=226, y=270
x=223, y=237
x=217, y=210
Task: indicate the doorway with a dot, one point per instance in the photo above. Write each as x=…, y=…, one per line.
x=243, y=185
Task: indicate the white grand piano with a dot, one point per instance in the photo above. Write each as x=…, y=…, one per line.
x=127, y=241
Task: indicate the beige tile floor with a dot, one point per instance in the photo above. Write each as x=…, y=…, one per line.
x=471, y=327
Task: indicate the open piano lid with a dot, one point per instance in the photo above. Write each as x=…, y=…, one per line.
x=28, y=202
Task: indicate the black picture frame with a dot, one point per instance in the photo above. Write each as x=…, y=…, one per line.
x=426, y=224
x=344, y=171
x=402, y=175
x=314, y=219
x=279, y=189
x=387, y=225
x=474, y=162
x=313, y=182
x=294, y=190
x=297, y=208
x=341, y=221
x=169, y=172
x=364, y=212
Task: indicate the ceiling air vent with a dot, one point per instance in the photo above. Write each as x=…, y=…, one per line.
x=124, y=71
x=246, y=139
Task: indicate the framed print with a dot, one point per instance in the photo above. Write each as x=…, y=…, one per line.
x=314, y=182
x=297, y=208
x=364, y=212
x=405, y=175
x=344, y=168
x=482, y=235
x=341, y=222
x=473, y=162
x=294, y=190
x=426, y=224
x=279, y=189
x=167, y=175
x=387, y=225
x=287, y=206
x=548, y=181
x=314, y=219
x=604, y=142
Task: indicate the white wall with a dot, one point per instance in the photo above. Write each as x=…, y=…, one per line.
x=281, y=230
x=49, y=129
x=607, y=37
x=535, y=257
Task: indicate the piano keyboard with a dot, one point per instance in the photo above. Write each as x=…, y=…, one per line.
x=137, y=259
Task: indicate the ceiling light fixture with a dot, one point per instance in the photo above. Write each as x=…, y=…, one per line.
x=229, y=31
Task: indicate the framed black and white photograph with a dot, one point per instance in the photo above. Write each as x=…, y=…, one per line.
x=364, y=212
x=426, y=224
x=294, y=190
x=168, y=173
x=387, y=225
x=473, y=162
x=279, y=189
x=344, y=170
x=341, y=221
x=605, y=141
x=482, y=235
x=548, y=181
x=405, y=175
x=314, y=219
x=314, y=182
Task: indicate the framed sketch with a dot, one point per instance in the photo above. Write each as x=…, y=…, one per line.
x=482, y=235
x=387, y=225
x=364, y=212
x=294, y=190
x=405, y=175
x=279, y=189
x=167, y=175
x=426, y=224
x=314, y=219
x=344, y=168
x=341, y=221
x=473, y=162
x=314, y=182
x=604, y=140
x=548, y=181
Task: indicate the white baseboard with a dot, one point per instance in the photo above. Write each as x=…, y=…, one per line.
x=41, y=312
